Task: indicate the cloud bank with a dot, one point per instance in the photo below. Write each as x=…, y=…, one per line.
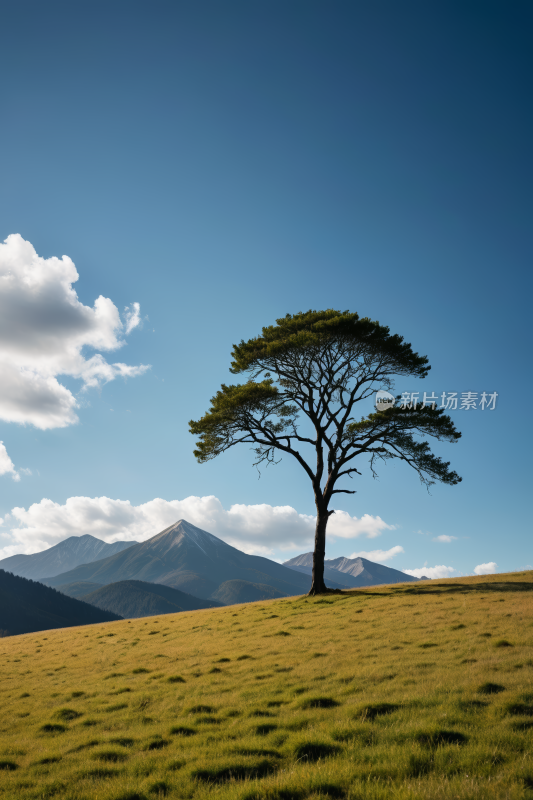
x=431, y=572
x=379, y=556
x=256, y=529
x=43, y=329
x=486, y=569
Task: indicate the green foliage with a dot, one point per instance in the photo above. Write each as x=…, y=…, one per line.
x=392, y=433
x=236, y=410
x=311, y=334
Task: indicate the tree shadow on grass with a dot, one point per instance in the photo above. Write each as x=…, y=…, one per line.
x=431, y=588
x=454, y=588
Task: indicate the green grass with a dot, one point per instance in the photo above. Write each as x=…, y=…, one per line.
x=427, y=694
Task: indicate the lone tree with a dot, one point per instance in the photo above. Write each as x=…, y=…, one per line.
x=313, y=367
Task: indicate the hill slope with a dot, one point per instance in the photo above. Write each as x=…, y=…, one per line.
x=62, y=557
x=27, y=606
x=412, y=691
x=231, y=592
x=353, y=572
x=77, y=589
x=133, y=599
x=187, y=558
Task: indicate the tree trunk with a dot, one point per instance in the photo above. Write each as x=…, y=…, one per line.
x=318, y=586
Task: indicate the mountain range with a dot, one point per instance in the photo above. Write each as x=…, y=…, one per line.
x=62, y=557
x=197, y=563
x=186, y=558
x=352, y=572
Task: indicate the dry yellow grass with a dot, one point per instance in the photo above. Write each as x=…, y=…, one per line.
x=406, y=691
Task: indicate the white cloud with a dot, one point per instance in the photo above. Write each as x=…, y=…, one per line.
x=342, y=526
x=430, y=572
x=257, y=529
x=133, y=316
x=43, y=329
x=379, y=556
x=444, y=538
x=486, y=569
x=8, y=468
x=6, y=465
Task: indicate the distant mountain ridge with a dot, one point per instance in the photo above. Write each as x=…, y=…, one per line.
x=231, y=592
x=78, y=589
x=133, y=599
x=191, y=560
x=62, y=557
x=27, y=606
x=353, y=572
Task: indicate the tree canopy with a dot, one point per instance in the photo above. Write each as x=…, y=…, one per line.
x=313, y=367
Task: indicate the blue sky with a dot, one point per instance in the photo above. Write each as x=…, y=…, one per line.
x=224, y=164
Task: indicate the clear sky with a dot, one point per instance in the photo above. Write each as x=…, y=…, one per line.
x=223, y=164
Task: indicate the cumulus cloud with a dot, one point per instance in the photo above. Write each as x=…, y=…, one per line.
x=444, y=538
x=342, y=526
x=43, y=329
x=430, y=572
x=6, y=465
x=486, y=569
x=256, y=529
x=379, y=556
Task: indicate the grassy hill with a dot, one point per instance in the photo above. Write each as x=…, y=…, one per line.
x=406, y=691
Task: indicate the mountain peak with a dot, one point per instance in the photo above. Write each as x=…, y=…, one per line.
x=187, y=538
x=182, y=529
x=61, y=557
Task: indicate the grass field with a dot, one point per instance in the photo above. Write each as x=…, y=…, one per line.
x=406, y=691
